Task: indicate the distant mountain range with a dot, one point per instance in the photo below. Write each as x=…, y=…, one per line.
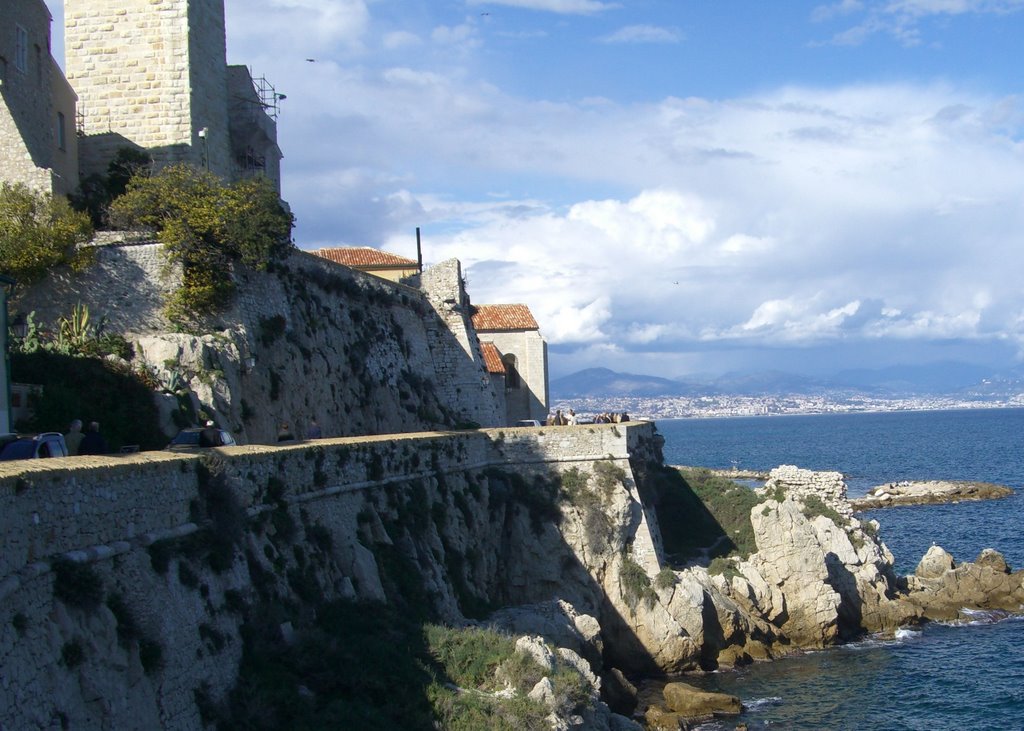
x=935, y=379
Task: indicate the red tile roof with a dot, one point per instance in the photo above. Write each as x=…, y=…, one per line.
x=492, y=318
x=492, y=358
x=364, y=256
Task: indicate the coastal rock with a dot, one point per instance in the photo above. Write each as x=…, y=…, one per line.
x=557, y=622
x=924, y=492
x=934, y=563
x=660, y=719
x=992, y=559
x=618, y=692
x=693, y=703
x=986, y=585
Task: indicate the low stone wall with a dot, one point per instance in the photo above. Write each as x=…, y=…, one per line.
x=112, y=514
x=829, y=486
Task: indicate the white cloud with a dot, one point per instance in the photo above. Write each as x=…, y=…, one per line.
x=301, y=28
x=643, y=34
x=400, y=39
x=901, y=19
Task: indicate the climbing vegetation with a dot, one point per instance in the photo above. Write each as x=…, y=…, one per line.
x=206, y=226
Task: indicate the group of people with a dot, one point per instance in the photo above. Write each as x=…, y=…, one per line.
x=571, y=419
x=89, y=441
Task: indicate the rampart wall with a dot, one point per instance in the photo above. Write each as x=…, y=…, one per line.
x=351, y=502
x=311, y=340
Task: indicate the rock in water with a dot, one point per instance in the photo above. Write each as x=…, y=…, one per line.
x=691, y=702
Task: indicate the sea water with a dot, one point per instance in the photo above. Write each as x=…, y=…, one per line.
x=942, y=676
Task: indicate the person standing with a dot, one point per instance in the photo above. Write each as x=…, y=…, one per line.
x=93, y=442
x=313, y=432
x=74, y=437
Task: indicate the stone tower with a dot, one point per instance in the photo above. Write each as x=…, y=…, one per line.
x=150, y=74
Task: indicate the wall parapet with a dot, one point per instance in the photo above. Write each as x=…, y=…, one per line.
x=93, y=508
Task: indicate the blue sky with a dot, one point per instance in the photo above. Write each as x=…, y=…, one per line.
x=674, y=186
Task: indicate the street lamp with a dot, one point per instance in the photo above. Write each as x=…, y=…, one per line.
x=206, y=147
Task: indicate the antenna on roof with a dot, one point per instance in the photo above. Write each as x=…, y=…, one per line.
x=419, y=251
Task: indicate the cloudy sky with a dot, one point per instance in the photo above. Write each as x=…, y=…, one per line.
x=673, y=186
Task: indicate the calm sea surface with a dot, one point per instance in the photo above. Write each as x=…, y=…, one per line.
x=968, y=676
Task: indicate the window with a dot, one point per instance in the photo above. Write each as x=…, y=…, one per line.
x=512, y=379
x=62, y=140
x=20, y=49
x=39, y=67
x=3, y=70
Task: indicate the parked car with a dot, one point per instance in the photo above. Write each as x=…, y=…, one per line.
x=38, y=446
x=189, y=439
x=528, y=422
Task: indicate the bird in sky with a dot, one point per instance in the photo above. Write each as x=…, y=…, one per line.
x=311, y=60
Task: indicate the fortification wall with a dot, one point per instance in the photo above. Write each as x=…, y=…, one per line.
x=129, y=62
x=310, y=340
x=327, y=519
x=27, y=144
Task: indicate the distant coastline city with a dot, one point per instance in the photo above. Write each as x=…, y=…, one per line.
x=676, y=407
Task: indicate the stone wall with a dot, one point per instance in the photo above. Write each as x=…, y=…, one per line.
x=325, y=517
x=130, y=63
x=29, y=151
x=800, y=483
x=311, y=340
x=457, y=357
x=530, y=399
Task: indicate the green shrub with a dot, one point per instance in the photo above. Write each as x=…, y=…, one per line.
x=723, y=566
x=665, y=579
x=90, y=389
x=813, y=506
x=39, y=232
x=206, y=226
x=698, y=511
x=609, y=476
x=635, y=584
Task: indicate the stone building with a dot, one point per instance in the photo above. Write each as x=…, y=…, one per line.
x=153, y=75
x=379, y=263
x=513, y=330
x=38, y=146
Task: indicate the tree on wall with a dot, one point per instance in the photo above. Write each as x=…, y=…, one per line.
x=38, y=232
x=96, y=192
x=206, y=226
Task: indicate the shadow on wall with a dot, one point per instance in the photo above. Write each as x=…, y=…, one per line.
x=303, y=583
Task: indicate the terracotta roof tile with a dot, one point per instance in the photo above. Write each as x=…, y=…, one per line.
x=492, y=358
x=364, y=256
x=491, y=318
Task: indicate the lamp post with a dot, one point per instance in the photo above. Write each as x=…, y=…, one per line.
x=206, y=146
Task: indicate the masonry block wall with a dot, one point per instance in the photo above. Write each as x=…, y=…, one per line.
x=33, y=150
x=530, y=399
x=148, y=74
x=458, y=359
x=135, y=522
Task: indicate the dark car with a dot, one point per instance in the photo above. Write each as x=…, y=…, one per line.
x=189, y=439
x=38, y=446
